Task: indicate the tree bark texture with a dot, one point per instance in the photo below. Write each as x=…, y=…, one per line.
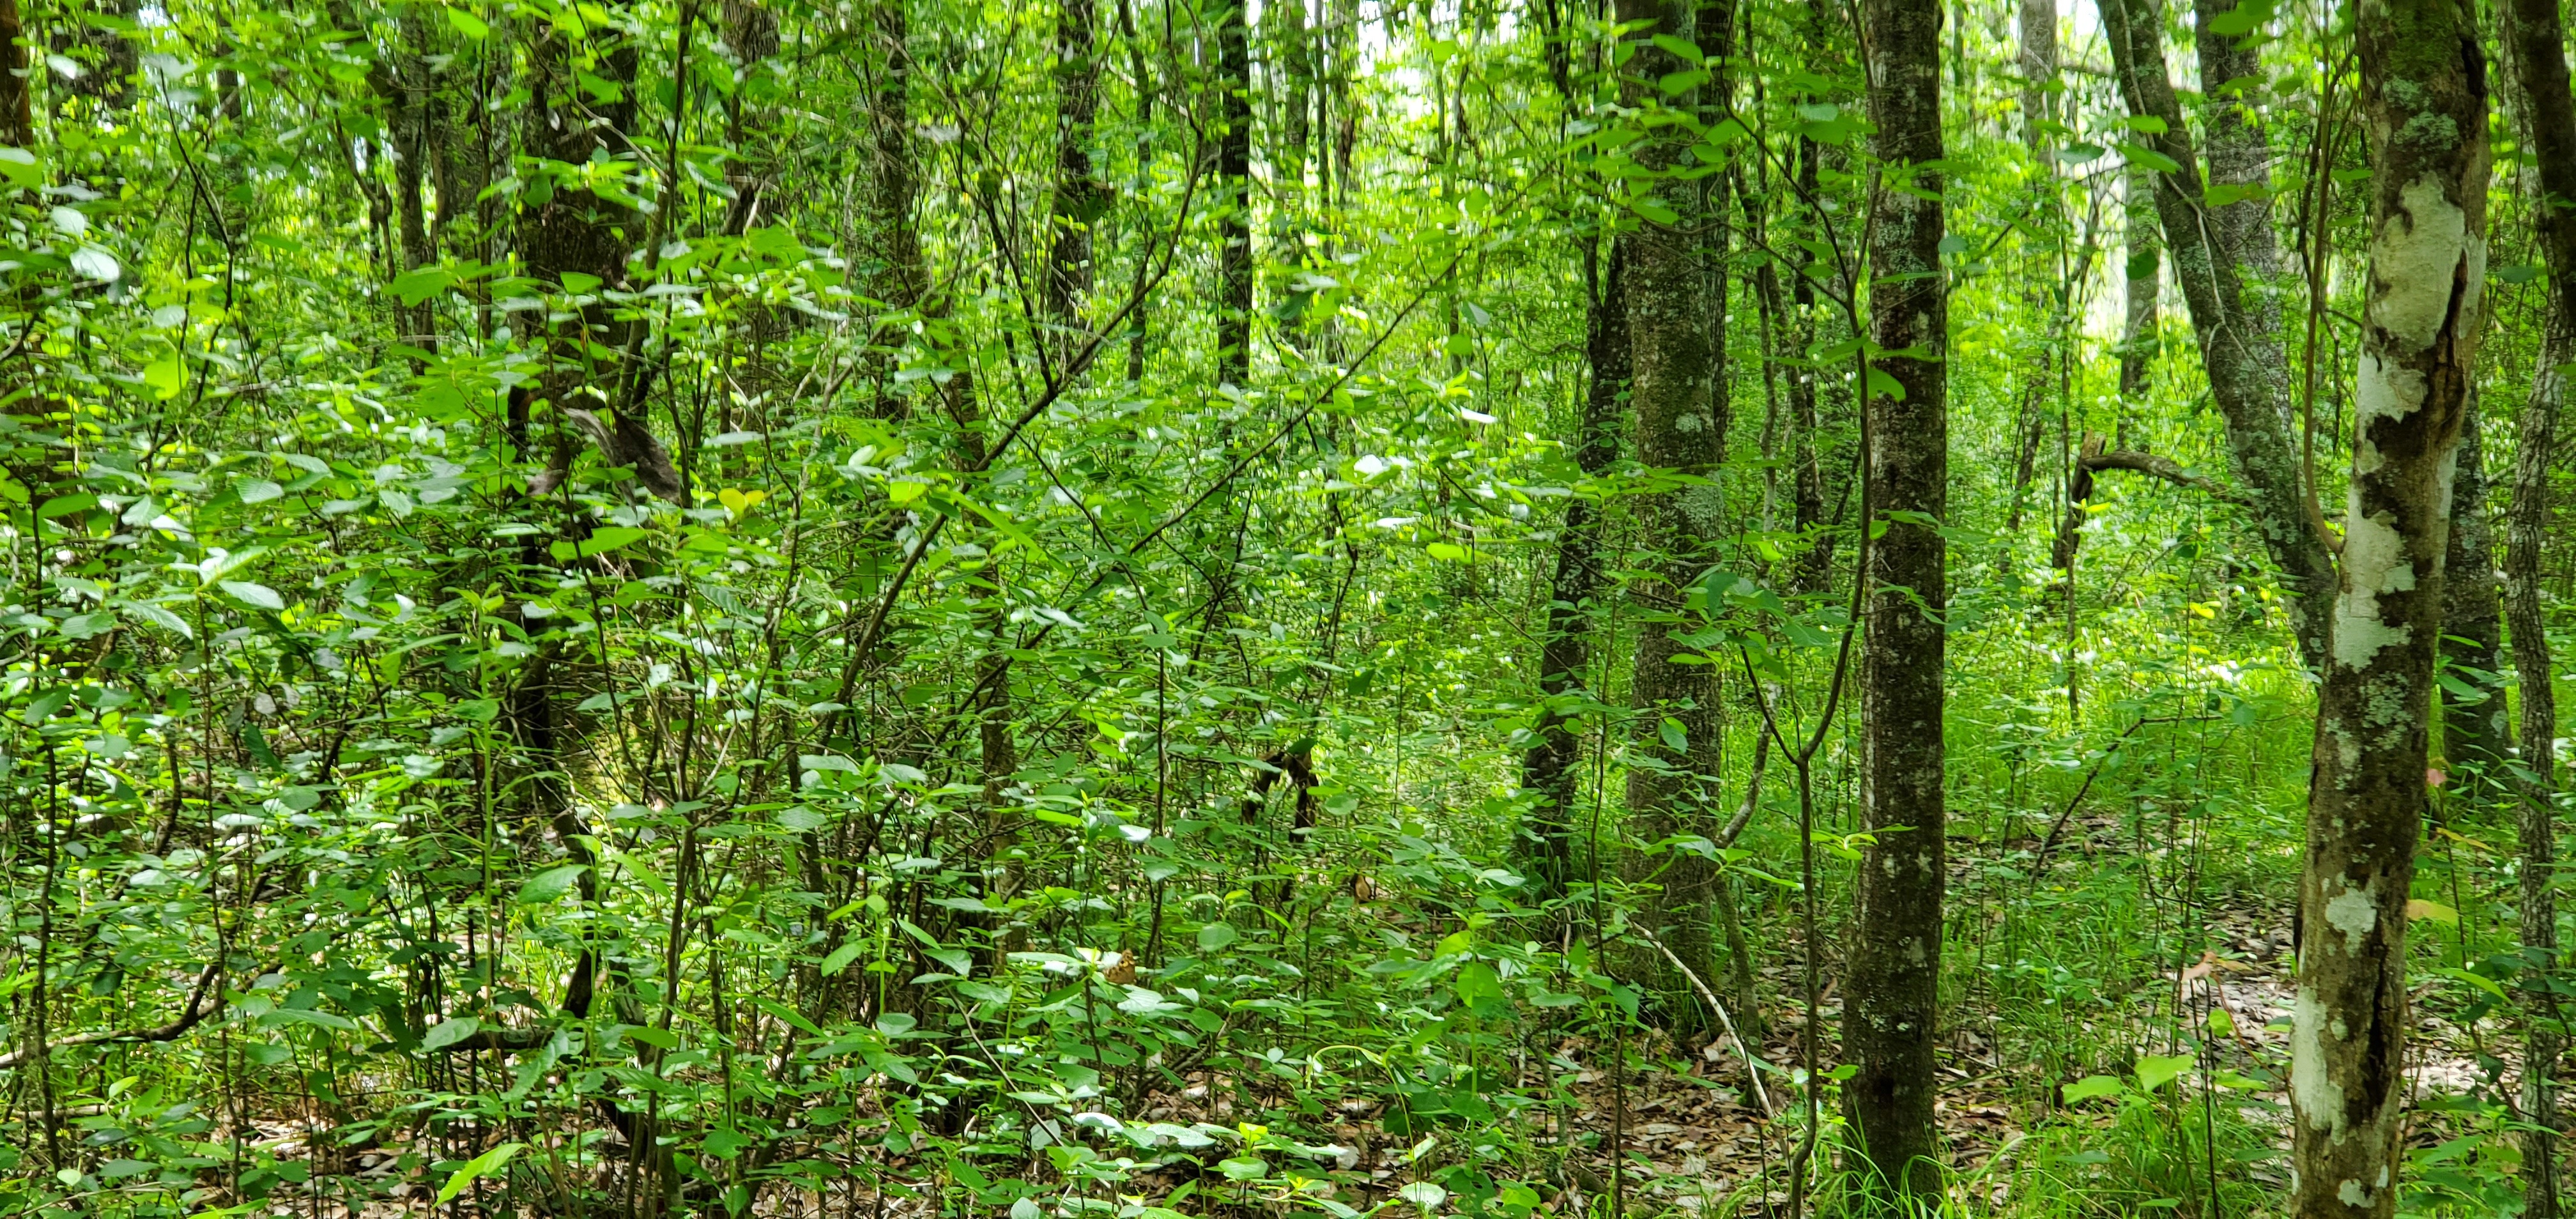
x=1234, y=204
x=2248, y=375
x=1673, y=367
x=1893, y=1015
x=2536, y=36
x=1080, y=196
x=2142, y=276
x=2424, y=107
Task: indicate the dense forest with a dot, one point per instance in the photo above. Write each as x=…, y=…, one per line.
x=1190, y=609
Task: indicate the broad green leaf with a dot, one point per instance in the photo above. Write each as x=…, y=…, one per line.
x=256, y=596
x=476, y=1169
x=448, y=1032
x=2155, y=1070
x=551, y=884
x=2092, y=1087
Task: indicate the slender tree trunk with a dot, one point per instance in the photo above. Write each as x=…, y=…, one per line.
x=1673, y=380
x=2475, y=725
x=1893, y=1014
x=1234, y=185
x=893, y=241
x=2240, y=163
x=2143, y=280
x=2537, y=40
x=1807, y=475
x=2425, y=105
x=2534, y=668
x=2037, y=64
x=1548, y=769
x=2248, y=375
x=17, y=81
x=1080, y=196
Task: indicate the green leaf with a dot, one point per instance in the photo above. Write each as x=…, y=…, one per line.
x=153, y=615
x=22, y=168
x=1215, y=936
x=448, y=1032
x=1674, y=738
x=257, y=490
x=2093, y=1086
x=475, y=1169
x=2480, y=981
x=257, y=596
x=548, y=886
x=600, y=541
x=166, y=376
x=841, y=958
x=1447, y=552
x=2157, y=1070
x=468, y=24
x=421, y=283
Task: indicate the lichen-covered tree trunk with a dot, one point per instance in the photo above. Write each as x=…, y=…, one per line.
x=1672, y=382
x=893, y=240
x=2536, y=37
x=2248, y=374
x=2425, y=111
x=1565, y=651
x=2475, y=721
x=1894, y=975
x=2240, y=161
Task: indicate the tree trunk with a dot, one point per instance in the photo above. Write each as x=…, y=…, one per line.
x=2475, y=734
x=2423, y=96
x=1894, y=976
x=1672, y=380
x=2537, y=40
x=2143, y=275
x=1565, y=651
x=1234, y=197
x=893, y=242
x=2525, y=527
x=17, y=80
x=1080, y=196
x=2037, y=63
x=2240, y=163
x=2242, y=354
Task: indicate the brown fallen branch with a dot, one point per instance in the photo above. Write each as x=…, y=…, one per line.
x=196, y=1010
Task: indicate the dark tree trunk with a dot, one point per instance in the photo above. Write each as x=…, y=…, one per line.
x=1548, y=769
x=2424, y=104
x=1672, y=382
x=2241, y=351
x=17, y=82
x=2537, y=40
x=1234, y=197
x=1894, y=977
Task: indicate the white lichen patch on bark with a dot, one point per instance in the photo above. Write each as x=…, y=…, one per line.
x=2415, y=258
x=2317, y=1097
x=2353, y=913
x=2374, y=562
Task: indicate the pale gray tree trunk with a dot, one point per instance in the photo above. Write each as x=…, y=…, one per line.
x=2425, y=109
x=1894, y=975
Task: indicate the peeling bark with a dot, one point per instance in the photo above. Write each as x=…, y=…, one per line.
x=2425, y=109
x=2239, y=348
x=1893, y=1014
